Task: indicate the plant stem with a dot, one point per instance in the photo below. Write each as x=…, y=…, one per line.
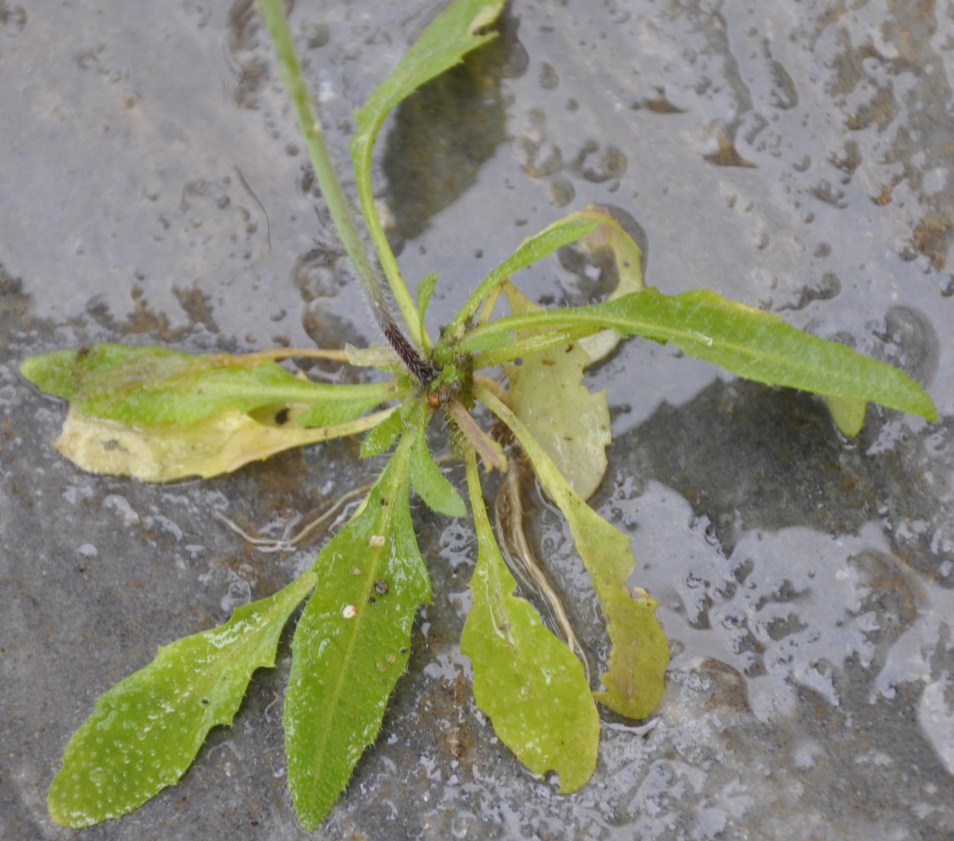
x=311, y=130
x=388, y=262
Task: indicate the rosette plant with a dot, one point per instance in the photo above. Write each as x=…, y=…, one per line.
x=506, y=378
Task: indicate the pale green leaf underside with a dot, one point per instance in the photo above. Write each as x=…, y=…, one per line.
x=749, y=342
x=352, y=641
x=848, y=414
x=217, y=444
x=529, y=682
x=145, y=732
x=547, y=394
x=634, y=681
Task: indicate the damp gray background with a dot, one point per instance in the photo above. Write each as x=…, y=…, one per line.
x=796, y=156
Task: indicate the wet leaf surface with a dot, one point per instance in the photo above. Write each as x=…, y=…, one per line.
x=159, y=414
x=530, y=683
x=746, y=341
x=547, y=393
x=353, y=641
x=634, y=681
x=150, y=386
x=145, y=732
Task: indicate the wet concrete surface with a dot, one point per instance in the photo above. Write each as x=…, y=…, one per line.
x=797, y=157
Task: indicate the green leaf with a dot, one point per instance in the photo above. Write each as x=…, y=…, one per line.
x=429, y=480
x=529, y=682
x=461, y=27
x=749, y=342
x=458, y=29
x=159, y=414
x=531, y=250
x=425, y=291
x=634, y=681
x=597, y=229
x=848, y=414
x=145, y=732
x=381, y=438
x=352, y=641
x=153, y=386
x=547, y=394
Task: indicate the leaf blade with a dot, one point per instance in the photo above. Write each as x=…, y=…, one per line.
x=215, y=445
x=749, y=342
x=458, y=29
x=547, y=394
x=153, y=386
x=529, y=682
x=635, y=678
x=352, y=642
x=428, y=479
x=145, y=732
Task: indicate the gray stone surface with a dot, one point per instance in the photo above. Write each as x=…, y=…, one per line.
x=797, y=156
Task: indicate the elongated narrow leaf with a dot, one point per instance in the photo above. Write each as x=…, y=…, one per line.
x=159, y=414
x=427, y=477
x=561, y=233
x=547, y=394
x=217, y=444
x=597, y=230
x=634, y=681
x=461, y=27
x=749, y=342
x=152, y=386
x=352, y=641
x=529, y=682
x=458, y=29
x=145, y=732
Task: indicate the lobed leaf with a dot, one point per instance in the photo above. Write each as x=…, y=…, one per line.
x=634, y=681
x=353, y=640
x=145, y=732
x=529, y=682
x=746, y=341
